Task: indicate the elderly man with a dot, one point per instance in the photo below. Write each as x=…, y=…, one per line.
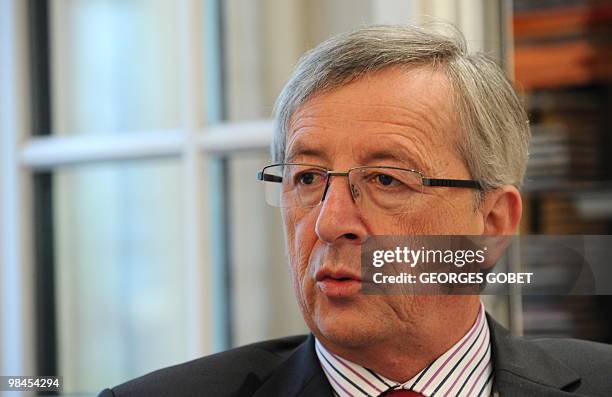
x=391, y=131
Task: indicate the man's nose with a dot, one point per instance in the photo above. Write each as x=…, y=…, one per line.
x=339, y=218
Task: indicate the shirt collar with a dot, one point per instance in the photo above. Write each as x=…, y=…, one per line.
x=466, y=369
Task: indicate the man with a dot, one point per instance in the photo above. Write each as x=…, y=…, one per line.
x=391, y=131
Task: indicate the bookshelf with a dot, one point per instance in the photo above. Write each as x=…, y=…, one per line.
x=563, y=63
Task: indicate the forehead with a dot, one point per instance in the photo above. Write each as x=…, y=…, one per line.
x=395, y=109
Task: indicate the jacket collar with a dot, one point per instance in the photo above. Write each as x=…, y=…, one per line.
x=299, y=375
x=522, y=368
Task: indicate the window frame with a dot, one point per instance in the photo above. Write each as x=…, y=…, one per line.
x=22, y=155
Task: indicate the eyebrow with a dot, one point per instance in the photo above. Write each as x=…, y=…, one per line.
x=395, y=155
x=299, y=150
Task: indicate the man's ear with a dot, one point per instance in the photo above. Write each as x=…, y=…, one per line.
x=501, y=211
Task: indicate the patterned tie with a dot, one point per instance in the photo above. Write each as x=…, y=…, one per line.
x=403, y=393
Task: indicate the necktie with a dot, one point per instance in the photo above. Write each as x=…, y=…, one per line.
x=403, y=393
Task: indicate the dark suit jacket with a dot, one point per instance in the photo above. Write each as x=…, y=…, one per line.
x=289, y=367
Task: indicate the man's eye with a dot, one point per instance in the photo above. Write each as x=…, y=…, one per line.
x=386, y=180
x=308, y=178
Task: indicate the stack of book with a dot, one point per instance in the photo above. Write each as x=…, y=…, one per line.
x=562, y=43
x=567, y=138
x=563, y=63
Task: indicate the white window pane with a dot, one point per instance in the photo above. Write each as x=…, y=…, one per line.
x=121, y=292
x=263, y=301
x=263, y=39
x=114, y=65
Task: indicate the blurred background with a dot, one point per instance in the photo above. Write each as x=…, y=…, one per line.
x=133, y=234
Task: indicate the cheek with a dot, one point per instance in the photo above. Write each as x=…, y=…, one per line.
x=440, y=217
x=301, y=238
x=415, y=224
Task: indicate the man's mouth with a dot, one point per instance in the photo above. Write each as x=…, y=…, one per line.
x=338, y=283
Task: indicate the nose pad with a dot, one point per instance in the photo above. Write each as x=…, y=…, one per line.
x=355, y=191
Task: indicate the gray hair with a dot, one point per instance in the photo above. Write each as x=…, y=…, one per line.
x=493, y=123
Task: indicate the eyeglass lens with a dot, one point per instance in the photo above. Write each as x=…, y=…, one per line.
x=373, y=188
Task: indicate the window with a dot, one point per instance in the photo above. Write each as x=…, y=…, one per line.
x=118, y=232
x=134, y=234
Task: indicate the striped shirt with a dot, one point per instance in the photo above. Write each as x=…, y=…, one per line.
x=465, y=369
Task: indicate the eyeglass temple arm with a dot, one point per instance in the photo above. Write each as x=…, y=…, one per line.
x=452, y=183
x=262, y=176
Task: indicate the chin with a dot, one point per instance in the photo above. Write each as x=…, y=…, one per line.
x=348, y=336
x=348, y=325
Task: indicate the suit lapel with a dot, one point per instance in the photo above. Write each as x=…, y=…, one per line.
x=299, y=375
x=521, y=368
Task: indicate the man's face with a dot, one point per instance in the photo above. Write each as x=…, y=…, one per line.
x=395, y=117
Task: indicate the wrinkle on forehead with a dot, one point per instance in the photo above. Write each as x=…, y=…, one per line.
x=413, y=105
x=416, y=115
x=407, y=151
x=411, y=151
